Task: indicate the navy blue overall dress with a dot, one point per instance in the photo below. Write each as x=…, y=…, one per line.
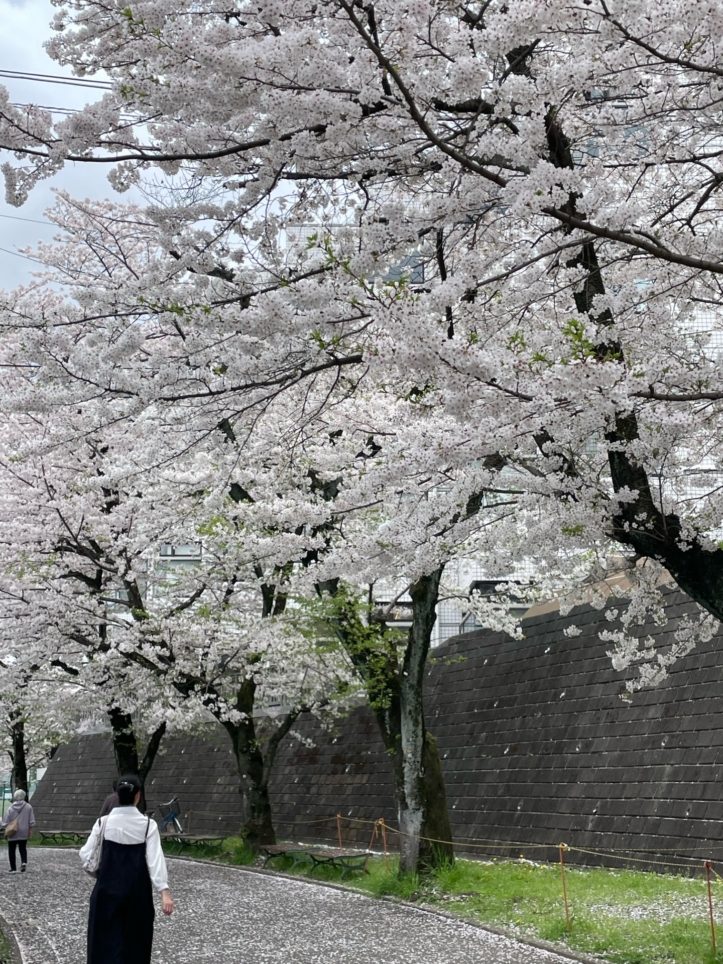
x=120, y=923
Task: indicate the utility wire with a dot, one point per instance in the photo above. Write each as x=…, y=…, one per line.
x=68, y=111
x=56, y=79
x=54, y=110
x=12, y=217
x=18, y=255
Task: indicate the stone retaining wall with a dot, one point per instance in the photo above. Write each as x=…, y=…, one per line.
x=537, y=748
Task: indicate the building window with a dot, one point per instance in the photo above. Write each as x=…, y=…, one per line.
x=187, y=551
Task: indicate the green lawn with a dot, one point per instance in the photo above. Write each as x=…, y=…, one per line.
x=624, y=916
x=232, y=851
x=4, y=950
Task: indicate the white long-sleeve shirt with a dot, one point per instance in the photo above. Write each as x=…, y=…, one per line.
x=127, y=825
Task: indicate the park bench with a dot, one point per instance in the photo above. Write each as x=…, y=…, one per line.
x=185, y=840
x=346, y=860
x=65, y=836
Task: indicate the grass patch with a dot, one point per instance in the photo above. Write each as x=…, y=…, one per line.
x=379, y=881
x=623, y=916
x=39, y=841
x=233, y=851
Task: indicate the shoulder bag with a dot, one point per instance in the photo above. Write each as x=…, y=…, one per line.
x=93, y=865
x=11, y=828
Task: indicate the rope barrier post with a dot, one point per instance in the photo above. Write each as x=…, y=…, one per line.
x=384, y=838
x=371, y=844
x=708, y=864
x=338, y=829
x=564, y=847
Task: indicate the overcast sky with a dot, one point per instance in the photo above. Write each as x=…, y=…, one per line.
x=24, y=27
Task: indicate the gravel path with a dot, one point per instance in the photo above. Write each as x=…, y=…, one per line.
x=229, y=916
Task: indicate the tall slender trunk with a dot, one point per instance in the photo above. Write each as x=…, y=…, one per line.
x=254, y=765
x=396, y=696
x=19, y=775
x=426, y=840
x=253, y=761
x=420, y=798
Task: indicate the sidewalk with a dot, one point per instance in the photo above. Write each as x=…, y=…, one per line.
x=229, y=916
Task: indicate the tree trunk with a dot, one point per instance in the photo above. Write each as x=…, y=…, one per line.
x=639, y=524
x=396, y=696
x=426, y=840
x=438, y=849
x=152, y=747
x=125, y=749
x=19, y=775
x=257, y=827
x=426, y=835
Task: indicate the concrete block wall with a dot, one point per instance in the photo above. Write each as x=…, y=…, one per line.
x=537, y=748
x=198, y=770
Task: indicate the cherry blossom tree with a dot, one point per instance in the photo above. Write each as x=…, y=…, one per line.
x=310, y=489
x=37, y=715
x=553, y=169
x=553, y=164
x=39, y=706
x=159, y=644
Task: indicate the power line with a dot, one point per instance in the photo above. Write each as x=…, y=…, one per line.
x=12, y=217
x=56, y=79
x=125, y=117
x=27, y=257
x=54, y=110
x=24, y=256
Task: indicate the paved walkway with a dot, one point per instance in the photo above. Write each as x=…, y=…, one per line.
x=228, y=916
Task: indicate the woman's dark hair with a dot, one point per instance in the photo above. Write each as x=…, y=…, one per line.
x=128, y=787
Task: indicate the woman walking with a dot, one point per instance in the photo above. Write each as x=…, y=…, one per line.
x=23, y=816
x=120, y=923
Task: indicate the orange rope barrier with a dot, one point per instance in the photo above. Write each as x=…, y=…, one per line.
x=620, y=855
x=633, y=854
x=494, y=845
x=322, y=820
x=371, y=841
x=384, y=838
x=380, y=827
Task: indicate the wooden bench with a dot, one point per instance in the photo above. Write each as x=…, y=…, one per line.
x=65, y=837
x=185, y=840
x=346, y=860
